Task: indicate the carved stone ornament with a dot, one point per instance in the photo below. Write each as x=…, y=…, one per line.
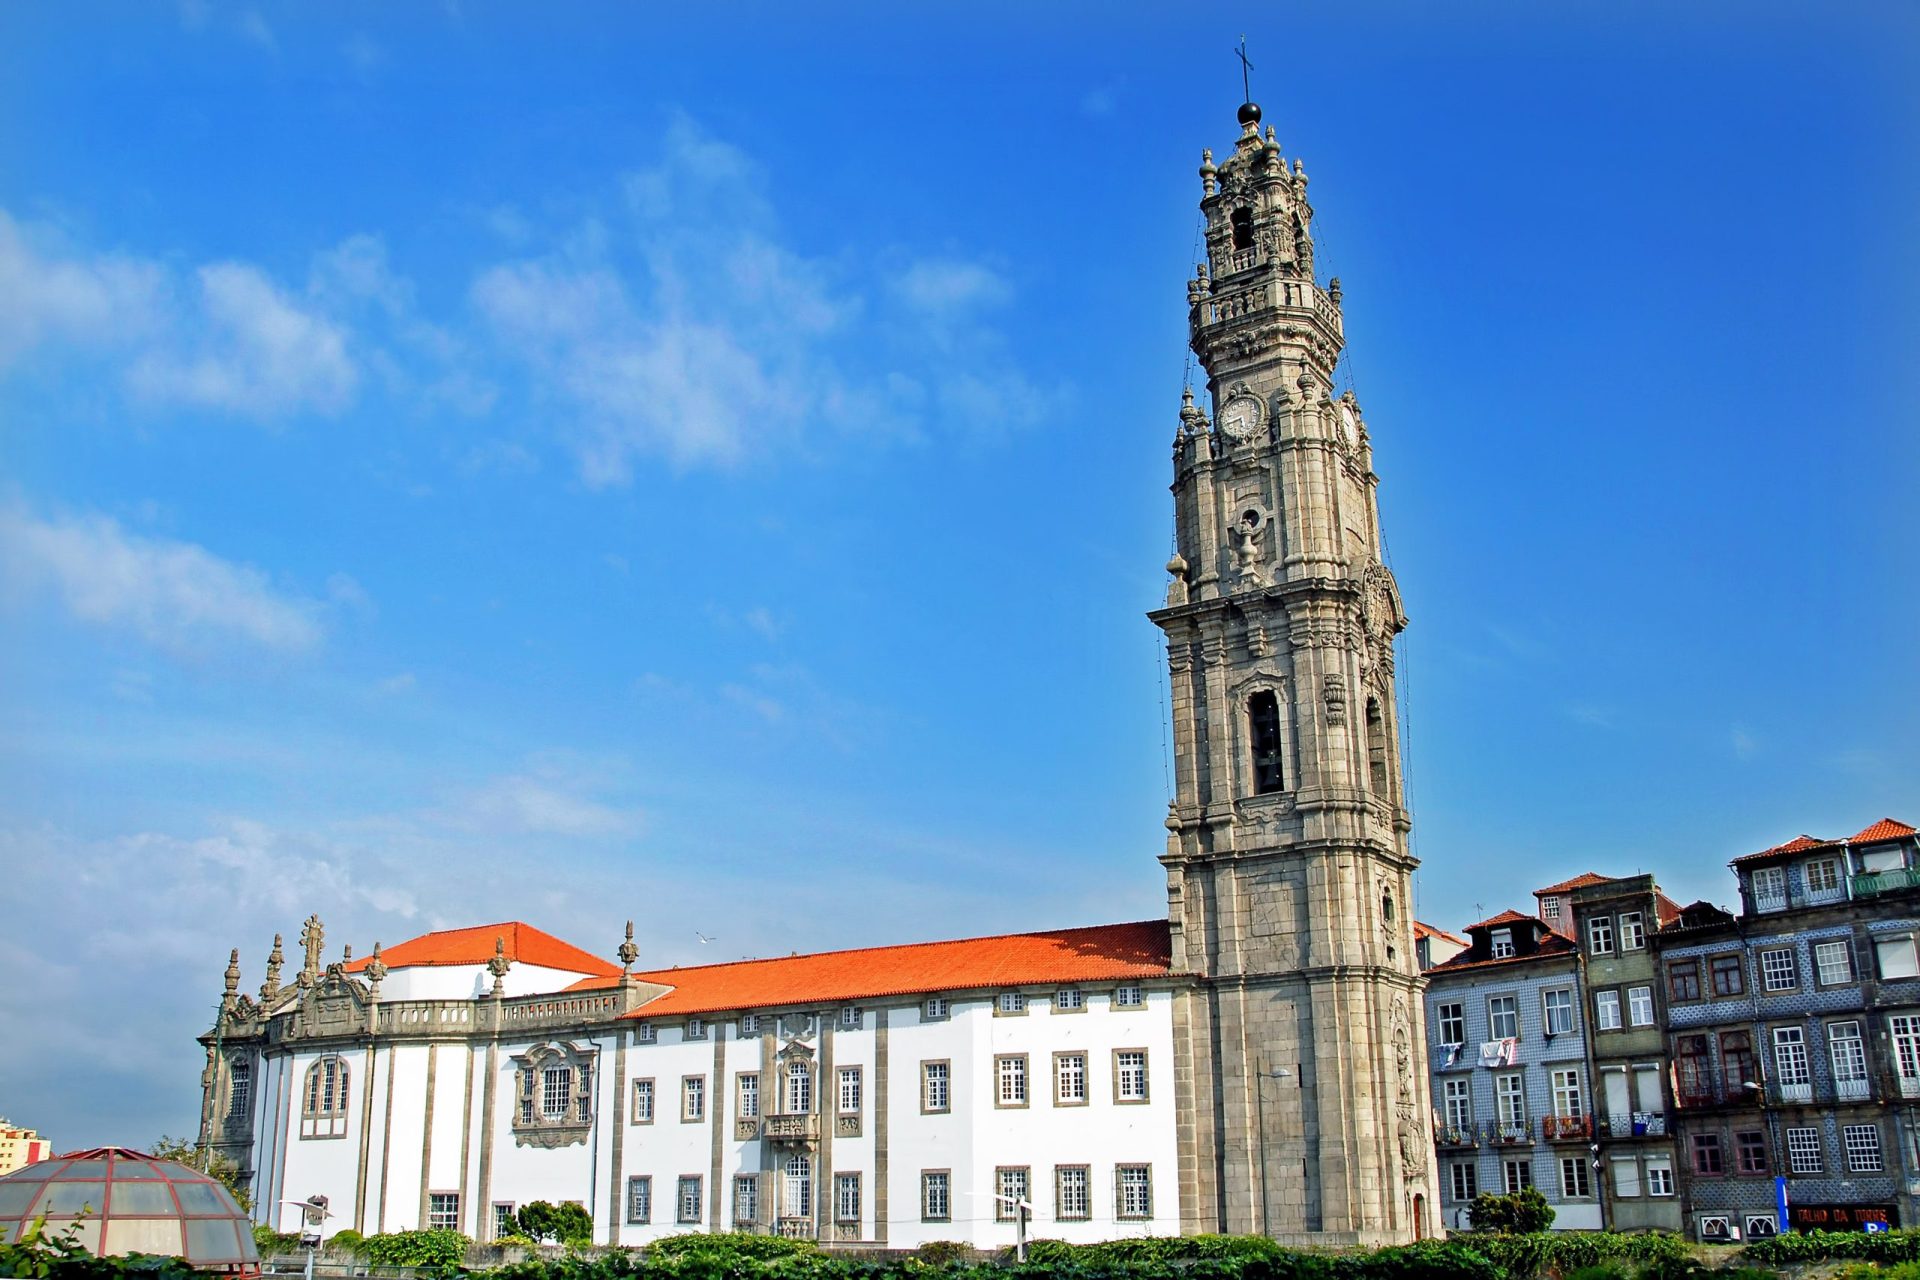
x=1248, y=546
x=1333, y=692
x=563, y=1115
x=1380, y=611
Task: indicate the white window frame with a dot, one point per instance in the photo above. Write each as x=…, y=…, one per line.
x=443, y=1211
x=1500, y=944
x=1069, y=1079
x=1769, y=888
x=1790, y=1063
x=1633, y=931
x=687, y=1198
x=796, y=1186
x=1904, y=1029
x=1450, y=1017
x=1640, y=1006
x=1463, y=1180
x=936, y=1086
x=936, y=1009
x=746, y=1199
x=1011, y=1183
x=1510, y=1099
x=846, y=1197
x=1072, y=1193
x=1010, y=1080
x=1568, y=1100
x=1503, y=1010
x=1516, y=1174
x=1863, y=1147
x=1778, y=970
x=1659, y=1175
x=851, y=1087
x=1011, y=1003
x=1069, y=1000
x=1833, y=962
x=850, y=1019
x=1556, y=1010
x=1896, y=956
x=1606, y=1011
x=1803, y=1151
x=1129, y=1075
x=693, y=1099
x=749, y=1024
x=796, y=1088
x=1575, y=1182
x=1129, y=997
x=643, y=1102
x=1847, y=1050
x=936, y=1195
x=1133, y=1191
x=748, y=1092
x=1457, y=1101
x=1827, y=869
x=1600, y=936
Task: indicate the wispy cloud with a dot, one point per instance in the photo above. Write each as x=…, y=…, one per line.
x=541, y=804
x=1745, y=745
x=176, y=595
x=55, y=295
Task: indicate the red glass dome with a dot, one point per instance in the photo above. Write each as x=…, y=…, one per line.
x=117, y=1201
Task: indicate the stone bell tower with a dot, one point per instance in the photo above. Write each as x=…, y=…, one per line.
x=1304, y=1106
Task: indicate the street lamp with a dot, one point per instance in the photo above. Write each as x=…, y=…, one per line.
x=1260, y=1109
x=313, y=1213
x=1021, y=1208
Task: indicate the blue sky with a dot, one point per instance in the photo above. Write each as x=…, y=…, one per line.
x=709, y=465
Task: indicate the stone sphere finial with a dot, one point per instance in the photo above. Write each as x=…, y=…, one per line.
x=628, y=952
x=1177, y=565
x=1250, y=113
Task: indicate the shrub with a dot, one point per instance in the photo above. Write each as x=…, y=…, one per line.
x=347, y=1241
x=431, y=1250
x=730, y=1244
x=1884, y=1247
x=270, y=1242
x=565, y=1223
x=38, y=1254
x=940, y=1253
x=1521, y=1213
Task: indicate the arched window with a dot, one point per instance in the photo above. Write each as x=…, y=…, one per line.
x=1376, y=748
x=324, y=1114
x=1242, y=228
x=799, y=1088
x=1386, y=906
x=1263, y=725
x=239, y=1089
x=799, y=1180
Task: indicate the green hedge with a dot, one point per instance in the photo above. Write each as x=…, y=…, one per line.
x=1848, y=1246
x=434, y=1250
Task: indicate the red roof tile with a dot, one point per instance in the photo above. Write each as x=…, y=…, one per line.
x=1552, y=946
x=1421, y=929
x=1885, y=829
x=1580, y=881
x=1799, y=844
x=1506, y=917
x=1102, y=953
x=1665, y=909
x=524, y=945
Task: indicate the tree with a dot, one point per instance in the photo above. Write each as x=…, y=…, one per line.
x=220, y=1168
x=1517, y=1214
x=567, y=1223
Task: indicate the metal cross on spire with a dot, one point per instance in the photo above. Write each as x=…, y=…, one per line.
x=1246, y=88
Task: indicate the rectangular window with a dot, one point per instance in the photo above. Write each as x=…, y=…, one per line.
x=1516, y=1175
x=1557, y=1009
x=1510, y=1100
x=846, y=1197
x=746, y=1201
x=1069, y=1079
x=1849, y=1053
x=1606, y=1010
x=1659, y=1176
x=1135, y=1198
x=1862, y=1143
x=850, y=1088
x=693, y=1098
x=1451, y=1018
x=1790, y=1062
x=1769, y=889
x=1566, y=1092
x=1896, y=955
x=1729, y=975
x=1501, y=943
x=749, y=1093
x=936, y=1080
x=1803, y=1151
x=1503, y=1017
x=1072, y=1193
x=1626, y=1178
x=1750, y=1149
x=1550, y=910
x=648, y=1033
x=1069, y=1000
x=1683, y=979
x=1600, y=936
x=1633, y=931
x=935, y=1009
x=936, y=1195
x=1130, y=1075
x=1905, y=1029
x=1010, y=1002
x=1777, y=969
x=639, y=1200
x=749, y=1025
x=1129, y=997
x=797, y=1182
x=505, y=1221
x=1823, y=881
x=1706, y=1154
x=642, y=1102
x=696, y=1029
x=1738, y=1067
x=1639, y=1006
x=1010, y=1185
x=443, y=1211
x=556, y=1092
x=850, y=1020
x=1463, y=1180
x=1833, y=962
x=687, y=1201
x=1459, y=1104
x=1573, y=1178
x=1010, y=1080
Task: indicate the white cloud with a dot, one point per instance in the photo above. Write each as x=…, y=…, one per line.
x=255, y=28
x=91, y=301
x=176, y=595
x=526, y=804
x=260, y=353
x=943, y=287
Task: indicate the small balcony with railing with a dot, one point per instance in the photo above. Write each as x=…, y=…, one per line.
x=1635, y=1124
x=1792, y=1092
x=1566, y=1128
x=1871, y=884
x=1907, y=1086
x=1453, y=1135
x=1856, y=1089
x=1508, y=1133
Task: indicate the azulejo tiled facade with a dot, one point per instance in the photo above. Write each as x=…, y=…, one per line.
x=1736, y=1061
x=1250, y=1063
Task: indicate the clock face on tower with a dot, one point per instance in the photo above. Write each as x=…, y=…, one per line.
x=1240, y=416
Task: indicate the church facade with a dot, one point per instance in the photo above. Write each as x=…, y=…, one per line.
x=1247, y=1064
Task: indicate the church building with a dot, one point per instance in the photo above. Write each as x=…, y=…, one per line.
x=1247, y=1064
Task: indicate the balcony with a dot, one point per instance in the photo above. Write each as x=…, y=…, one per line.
x=794, y=1228
x=1852, y=1090
x=1798, y=1092
x=1566, y=1128
x=1637, y=1124
x=1508, y=1135
x=1770, y=901
x=1909, y=1086
x=795, y=1127
x=1876, y=882
x=1824, y=897
x=1448, y=1135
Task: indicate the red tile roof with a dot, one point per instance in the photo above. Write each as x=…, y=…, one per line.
x=1665, y=909
x=1885, y=829
x=1507, y=917
x=1102, y=953
x=1799, y=844
x=1580, y=881
x=1552, y=946
x=524, y=945
x=1421, y=929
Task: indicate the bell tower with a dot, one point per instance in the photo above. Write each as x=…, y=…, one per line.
x=1304, y=1107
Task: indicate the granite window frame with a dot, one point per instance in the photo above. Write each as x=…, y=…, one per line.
x=1130, y=1078
x=693, y=1099
x=1011, y=1089
x=1833, y=964
x=325, y=1093
x=1779, y=970
x=1011, y=1182
x=1070, y=1078
x=850, y=1088
x=643, y=1101
x=443, y=1210
x=639, y=1203
x=746, y=1200
x=1010, y=1004
x=1683, y=980
x=687, y=1199
x=936, y=1195
x=1132, y=1192
x=848, y=1197
x=936, y=1080
x=1729, y=974
x=1072, y=1193
x=1130, y=996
